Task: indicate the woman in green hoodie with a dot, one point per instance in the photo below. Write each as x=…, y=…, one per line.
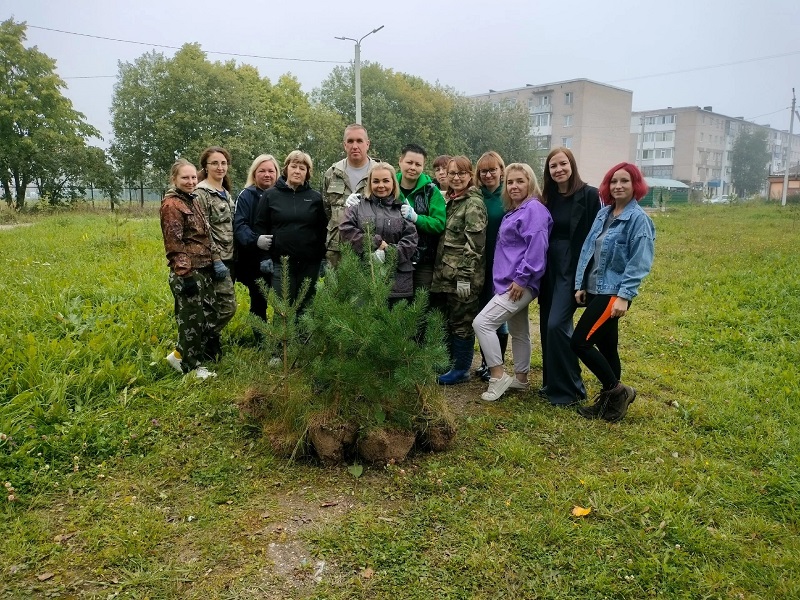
x=423, y=205
x=489, y=172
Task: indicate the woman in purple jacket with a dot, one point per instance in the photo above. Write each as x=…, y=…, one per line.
x=520, y=258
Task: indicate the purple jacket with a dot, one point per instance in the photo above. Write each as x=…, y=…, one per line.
x=521, y=252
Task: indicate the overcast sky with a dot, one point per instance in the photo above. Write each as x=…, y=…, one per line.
x=741, y=57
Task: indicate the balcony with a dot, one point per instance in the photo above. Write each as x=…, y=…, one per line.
x=541, y=108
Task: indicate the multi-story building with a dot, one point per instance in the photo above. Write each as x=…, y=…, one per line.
x=693, y=145
x=592, y=119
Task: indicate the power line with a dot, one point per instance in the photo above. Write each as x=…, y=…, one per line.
x=727, y=64
x=100, y=37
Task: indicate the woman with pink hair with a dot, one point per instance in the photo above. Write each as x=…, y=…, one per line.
x=615, y=257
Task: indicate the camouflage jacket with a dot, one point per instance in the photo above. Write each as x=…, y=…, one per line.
x=185, y=231
x=460, y=255
x=219, y=212
x=335, y=190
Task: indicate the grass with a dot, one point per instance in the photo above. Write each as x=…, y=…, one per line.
x=132, y=482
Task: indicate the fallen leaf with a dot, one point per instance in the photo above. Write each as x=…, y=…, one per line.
x=579, y=511
x=64, y=537
x=367, y=573
x=328, y=504
x=45, y=576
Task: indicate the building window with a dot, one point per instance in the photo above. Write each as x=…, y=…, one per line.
x=566, y=142
x=540, y=120
x=567, y=120
x=568, y=97
x=544, y=100
x=540, y=142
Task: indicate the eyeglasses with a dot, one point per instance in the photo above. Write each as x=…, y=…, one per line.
x=216, y=164
x=491, y=171
x=457, y=174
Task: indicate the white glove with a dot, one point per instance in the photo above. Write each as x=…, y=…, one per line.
x=380, y=255
x=408, y=212
x=352, y=200
x=264, y=242
x=462, y=290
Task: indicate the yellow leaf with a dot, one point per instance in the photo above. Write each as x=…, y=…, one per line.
x=367, y=573
x=579, y=511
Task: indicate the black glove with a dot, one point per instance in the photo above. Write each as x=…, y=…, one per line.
x=189, y=286
x=220, y=270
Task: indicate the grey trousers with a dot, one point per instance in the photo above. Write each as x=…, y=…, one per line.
x=499, y=310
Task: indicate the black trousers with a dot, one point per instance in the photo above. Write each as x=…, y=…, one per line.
x=596, y=340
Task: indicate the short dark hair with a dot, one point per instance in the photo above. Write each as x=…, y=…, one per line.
x=416, y=148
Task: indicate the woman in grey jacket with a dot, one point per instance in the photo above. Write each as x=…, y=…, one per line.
x=380, y=210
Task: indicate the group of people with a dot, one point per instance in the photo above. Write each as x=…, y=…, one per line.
x=483, y=240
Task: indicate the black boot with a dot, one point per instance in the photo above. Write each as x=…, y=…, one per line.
x=617, y=403
x=213, y=349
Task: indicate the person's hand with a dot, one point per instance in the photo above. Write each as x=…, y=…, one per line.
x=408, y=212
x=380, y=255
x=619, y=308
x=264, y=242
x=189, y=286
x=352, y=200
x=220, y=270
x=266, y=266
x=515, y=291
x=462, y=289
x=580, y=297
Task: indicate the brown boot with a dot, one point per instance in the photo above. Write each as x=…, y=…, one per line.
x=618, y=401
x=595, y=411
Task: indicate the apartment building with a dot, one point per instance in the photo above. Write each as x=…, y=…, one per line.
x=693, y=145
x=592, y=119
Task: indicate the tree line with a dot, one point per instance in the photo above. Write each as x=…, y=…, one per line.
x=169, y=107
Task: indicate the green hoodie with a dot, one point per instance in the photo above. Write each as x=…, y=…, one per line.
x=431, y=219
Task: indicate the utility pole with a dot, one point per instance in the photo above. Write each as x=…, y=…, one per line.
x=788, y=160
x=358, y=68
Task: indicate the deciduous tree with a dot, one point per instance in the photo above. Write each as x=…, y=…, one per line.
x=38, y=124
x=750, y=161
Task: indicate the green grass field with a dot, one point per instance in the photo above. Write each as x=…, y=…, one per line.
x=131, y=482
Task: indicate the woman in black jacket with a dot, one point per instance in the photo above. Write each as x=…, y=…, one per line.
x=262, y=175
x=291, y=222
x=573, y=206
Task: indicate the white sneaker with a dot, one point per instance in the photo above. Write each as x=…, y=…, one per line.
x=519, y=385
x=174, y=362
x=203, y=373
x=497, y=387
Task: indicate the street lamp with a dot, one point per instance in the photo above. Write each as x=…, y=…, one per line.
x=358, y=68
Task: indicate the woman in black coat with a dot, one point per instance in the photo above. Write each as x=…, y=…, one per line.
x=573, y=206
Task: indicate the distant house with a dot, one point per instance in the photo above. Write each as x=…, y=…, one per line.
x=775, y=184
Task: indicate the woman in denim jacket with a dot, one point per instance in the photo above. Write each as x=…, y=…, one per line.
x=615, y=257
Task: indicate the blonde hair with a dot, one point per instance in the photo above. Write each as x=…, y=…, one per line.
x=533, y=184
x=486, y=159
x=381, y=166
x=176, y=167
x=298, y=156
x=251, y=173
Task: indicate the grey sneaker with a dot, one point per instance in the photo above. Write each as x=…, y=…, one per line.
x=497, y=387
x=516, y=384
x=203, y=373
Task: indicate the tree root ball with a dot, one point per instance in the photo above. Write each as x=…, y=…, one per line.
x=381, y=446
x=331, y=440
x=436, y=437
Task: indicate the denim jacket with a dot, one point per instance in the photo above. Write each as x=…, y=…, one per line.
x=627, y=252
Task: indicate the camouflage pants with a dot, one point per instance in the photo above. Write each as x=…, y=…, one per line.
x=458, y=313
x=192, y=314
x=224, y=302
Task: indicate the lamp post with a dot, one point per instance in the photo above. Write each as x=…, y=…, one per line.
x=358, y=68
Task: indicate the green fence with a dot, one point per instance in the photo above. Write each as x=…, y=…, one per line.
x=655, y=196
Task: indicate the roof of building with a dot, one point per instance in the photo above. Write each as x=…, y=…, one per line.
x=549, y=85
x=658, y=182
